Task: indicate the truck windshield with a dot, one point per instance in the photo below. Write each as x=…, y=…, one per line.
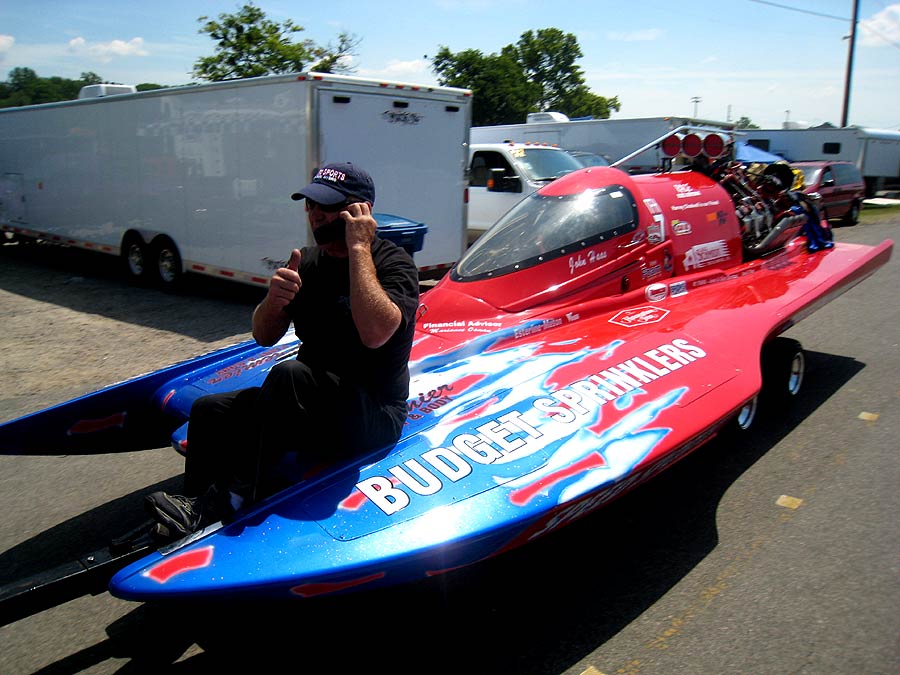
x=542, y=228
x=539, y=164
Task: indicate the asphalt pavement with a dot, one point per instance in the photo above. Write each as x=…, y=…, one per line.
x=773, y=553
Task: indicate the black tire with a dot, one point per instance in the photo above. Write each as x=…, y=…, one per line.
x=166, y=269
x=783, y=369
x=783, y=372
x=745, y=418
x=852, y=215
x=134, y=258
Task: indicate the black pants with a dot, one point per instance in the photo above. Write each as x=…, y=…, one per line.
x=236, y=440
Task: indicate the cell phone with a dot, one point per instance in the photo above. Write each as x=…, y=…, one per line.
x=334, y=231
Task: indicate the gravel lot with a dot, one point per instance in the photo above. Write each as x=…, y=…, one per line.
x=73, y=324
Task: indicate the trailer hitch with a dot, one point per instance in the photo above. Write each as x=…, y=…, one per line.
x=89, y=574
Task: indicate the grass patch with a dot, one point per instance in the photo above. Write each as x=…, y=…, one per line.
x=872, y=213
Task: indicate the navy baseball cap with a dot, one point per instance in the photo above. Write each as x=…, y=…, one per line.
x=334, y=183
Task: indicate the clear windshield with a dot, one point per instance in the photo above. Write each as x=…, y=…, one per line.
x=810, y=174
x=541, y=228
x=587, y=159
x=544, y=163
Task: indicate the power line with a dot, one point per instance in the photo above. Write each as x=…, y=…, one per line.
x=862, y=24
x=803, y=11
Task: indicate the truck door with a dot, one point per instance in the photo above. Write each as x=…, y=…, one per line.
x=487, y=205
x=413, y=148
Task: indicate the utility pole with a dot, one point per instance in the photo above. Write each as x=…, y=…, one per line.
x=695, y=100
x=850, y=49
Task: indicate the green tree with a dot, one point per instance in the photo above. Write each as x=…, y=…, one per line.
x=547, y=58
x=501, y=92
x=538, y=73
x=26, y=87
x=250, y=45
x=745, y=123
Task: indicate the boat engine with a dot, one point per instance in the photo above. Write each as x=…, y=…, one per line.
x=769, y=212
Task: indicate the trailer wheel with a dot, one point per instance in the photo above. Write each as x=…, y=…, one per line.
x=746, y=416
x=783, y=370
x=134, y=257
x=166, y=263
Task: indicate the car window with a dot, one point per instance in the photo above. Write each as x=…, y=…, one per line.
x=482, y=163
x=846, y=174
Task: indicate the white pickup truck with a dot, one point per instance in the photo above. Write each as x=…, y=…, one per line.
x=501, y=174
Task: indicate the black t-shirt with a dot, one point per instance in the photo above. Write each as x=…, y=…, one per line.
x=322, y=320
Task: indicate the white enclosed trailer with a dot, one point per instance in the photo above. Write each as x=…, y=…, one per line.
x=611, y=138
x=198, y=178
x=876, y=152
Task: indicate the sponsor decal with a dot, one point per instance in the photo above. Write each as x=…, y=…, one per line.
x=651, y=271
x=678, y=288
x=429, y=402
x=576, y=262
x=639, y=316
x=241, y=367
x=656, y=233
x=681, y=227
x=695, y=205
x=683, y=191
x=535, y=327
x=656, y=292
x=461, y=326
x=401, y=117
x=560, y=420
x=652, y=206
x=704, y=255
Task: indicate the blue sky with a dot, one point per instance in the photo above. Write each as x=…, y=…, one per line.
x=769, y=61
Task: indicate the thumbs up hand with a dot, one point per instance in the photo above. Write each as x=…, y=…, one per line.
x=285, y=283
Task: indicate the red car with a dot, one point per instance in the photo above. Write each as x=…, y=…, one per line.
x=840, y=187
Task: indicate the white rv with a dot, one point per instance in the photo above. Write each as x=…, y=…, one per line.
x=198, y=178
x=875, y=152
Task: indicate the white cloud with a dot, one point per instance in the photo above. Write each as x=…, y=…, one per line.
x=881, y=30
x=416, y=70
x=645, y=35
x=6, y=43
x=106, y=51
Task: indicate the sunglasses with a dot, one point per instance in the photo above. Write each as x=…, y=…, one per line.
x=327, y=208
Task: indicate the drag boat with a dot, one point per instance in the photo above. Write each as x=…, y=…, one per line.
x=604, y=328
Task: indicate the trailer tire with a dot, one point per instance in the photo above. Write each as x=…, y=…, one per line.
x=134, y=257
x=745, y=418
x=166, y=264
x=783, y=369
x=783, y=372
